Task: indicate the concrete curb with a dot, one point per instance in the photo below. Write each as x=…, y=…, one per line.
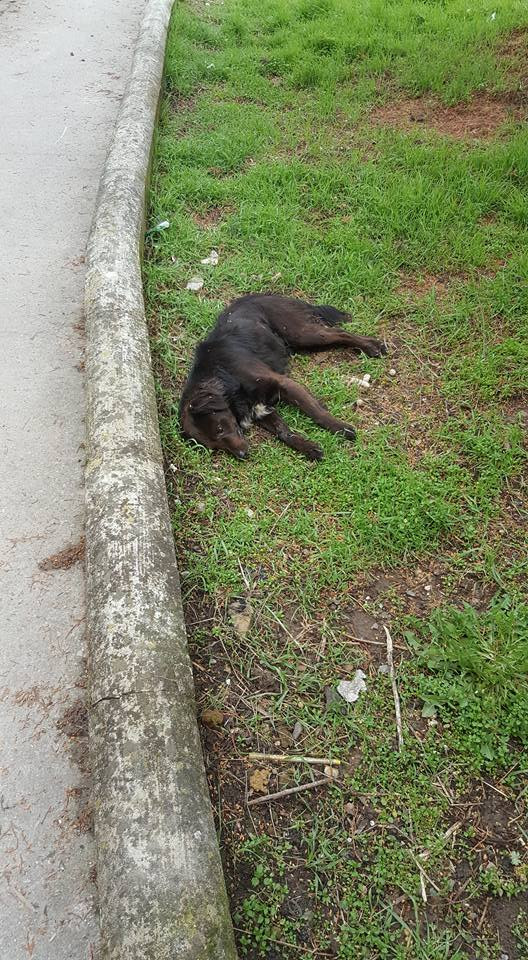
x=161, y=888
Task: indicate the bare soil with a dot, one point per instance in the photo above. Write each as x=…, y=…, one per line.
x=479, y=119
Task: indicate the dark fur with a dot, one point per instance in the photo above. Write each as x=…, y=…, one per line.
x=240, y=372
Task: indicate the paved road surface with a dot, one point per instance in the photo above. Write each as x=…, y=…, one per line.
x=63, y=66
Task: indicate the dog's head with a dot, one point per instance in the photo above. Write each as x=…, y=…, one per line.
x=205, y=416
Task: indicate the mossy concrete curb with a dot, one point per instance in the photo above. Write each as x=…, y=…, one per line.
x=159, y=877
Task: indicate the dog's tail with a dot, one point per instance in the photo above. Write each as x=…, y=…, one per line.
x=331, y=315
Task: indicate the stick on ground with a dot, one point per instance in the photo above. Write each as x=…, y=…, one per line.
x=294, y=758
x=290, y=790
x=395, y=694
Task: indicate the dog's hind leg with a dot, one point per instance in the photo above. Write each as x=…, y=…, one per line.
x=275, y=425
x=293, y=393
x=330, y=315
x=313, y=336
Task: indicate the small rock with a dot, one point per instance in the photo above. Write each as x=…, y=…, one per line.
x=195, y=283
x=428, y=589
x=392, y=372
x=350, y=808
x=359, y=402
x=383, y=668
x=366, y=378
x=250, y=512
x=297, y=730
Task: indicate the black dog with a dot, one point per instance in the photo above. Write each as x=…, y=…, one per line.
x=239, y=372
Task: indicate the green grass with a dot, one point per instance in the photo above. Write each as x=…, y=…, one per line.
x=266, y=150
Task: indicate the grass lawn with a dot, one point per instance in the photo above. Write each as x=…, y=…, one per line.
x=371, y=155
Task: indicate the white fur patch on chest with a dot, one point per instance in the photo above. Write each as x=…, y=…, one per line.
x=259, y=411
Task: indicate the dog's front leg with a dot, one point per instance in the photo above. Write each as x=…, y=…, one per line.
x=275, y=425
x=293, y=393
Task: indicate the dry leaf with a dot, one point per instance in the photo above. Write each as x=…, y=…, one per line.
x=241, y=613
x=259, y=780
x=212, y=718
x=331, y=772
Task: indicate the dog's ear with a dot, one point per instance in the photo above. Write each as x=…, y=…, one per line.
x=207, y=397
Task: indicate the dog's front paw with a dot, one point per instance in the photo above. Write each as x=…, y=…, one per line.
x=349, y=433
x=374, y=348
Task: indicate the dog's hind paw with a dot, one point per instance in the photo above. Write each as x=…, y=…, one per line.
x=312, y=451
x=374, y=348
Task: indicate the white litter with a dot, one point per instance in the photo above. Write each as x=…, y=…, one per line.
x=350, y=689
x=212, y=259
x=361, y=381
x=195, y=283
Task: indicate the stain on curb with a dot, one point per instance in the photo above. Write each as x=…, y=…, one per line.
x=161, y=887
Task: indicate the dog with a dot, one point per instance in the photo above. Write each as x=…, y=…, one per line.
x=239, y=373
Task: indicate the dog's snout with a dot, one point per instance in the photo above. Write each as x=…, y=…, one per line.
x=242, y=454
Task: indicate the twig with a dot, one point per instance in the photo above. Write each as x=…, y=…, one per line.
x=452, y=829
x=285, y=943
x=483, y=917
x=244, y=578
x=278, y=519
x=422, y=871
x=395, y=693
x=292, y=758
x=423, y=891
x=374, y=643
x=290, y=790
x=492, y=787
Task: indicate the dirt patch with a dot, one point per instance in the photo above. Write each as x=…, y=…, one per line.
x=515, y=409
x=210, y=218
x=180, y=104
x=503, y=915
x=73, y=724
x=74, y=721
x=380, y=596
x=78, y=810
x=414, y=285
x=66, y=558
x=516, y=44
x=478, y=119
